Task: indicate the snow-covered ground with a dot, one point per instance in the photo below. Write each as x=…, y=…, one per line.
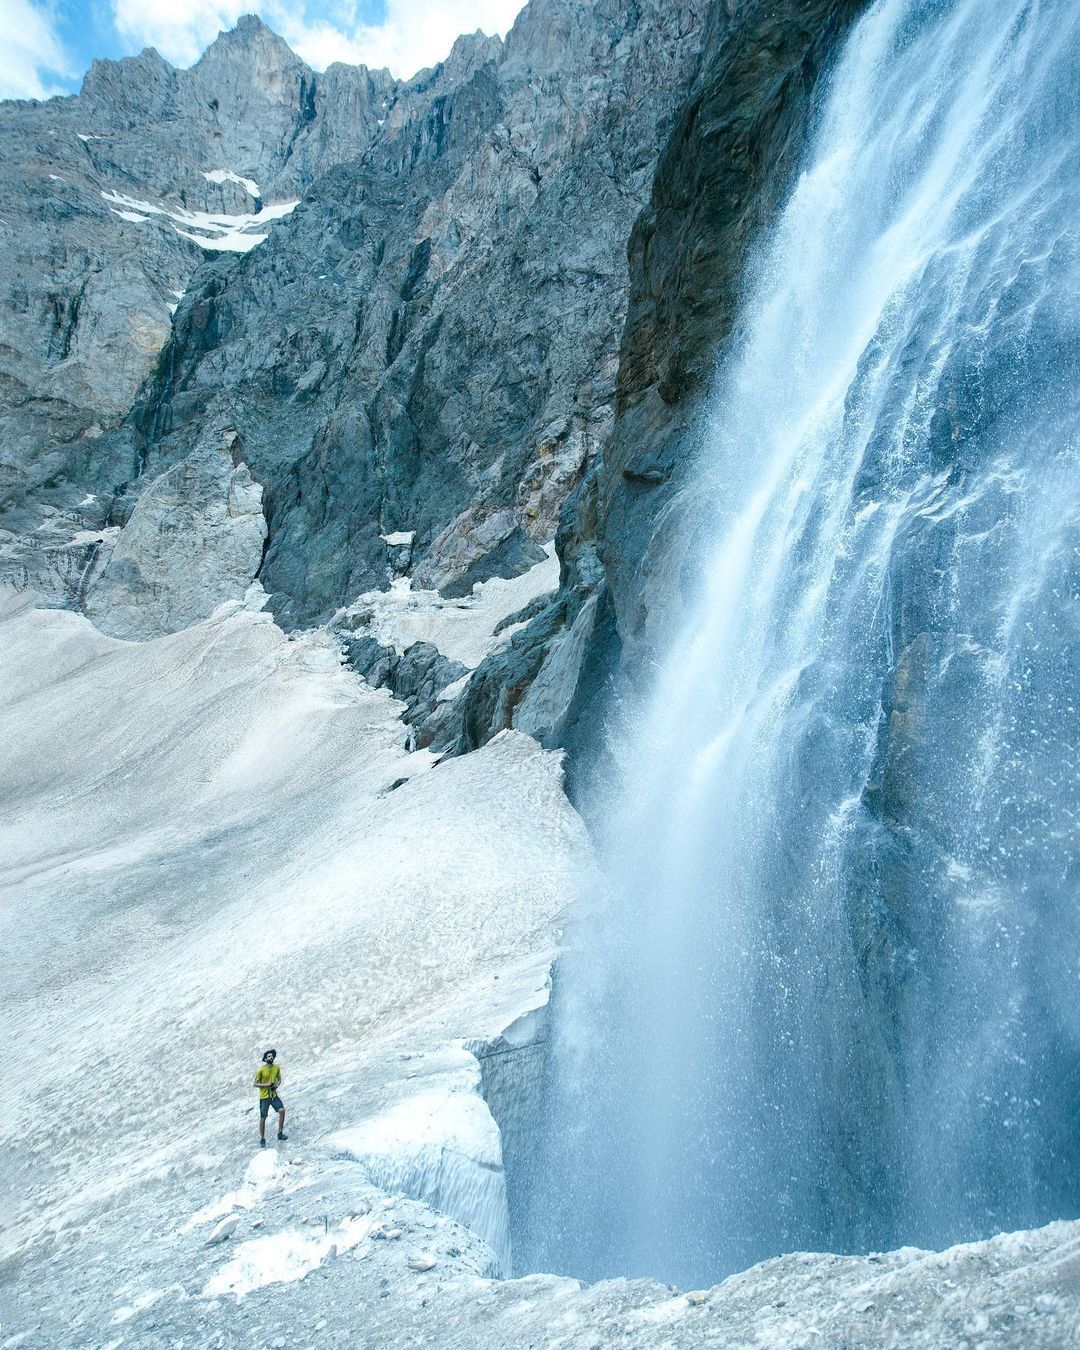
x=462, y=629
x=207, y=847
x=204, y=852
x=228, y=176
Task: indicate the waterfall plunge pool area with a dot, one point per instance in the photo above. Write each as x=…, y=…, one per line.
x=827, y=999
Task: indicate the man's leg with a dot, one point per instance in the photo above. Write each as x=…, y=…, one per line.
x=281, y=1120
x=263, y=1113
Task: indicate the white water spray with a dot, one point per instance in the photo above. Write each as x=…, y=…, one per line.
x=831, y=1000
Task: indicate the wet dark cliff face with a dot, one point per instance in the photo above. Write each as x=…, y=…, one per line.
x=727, y=164
x=731, y=159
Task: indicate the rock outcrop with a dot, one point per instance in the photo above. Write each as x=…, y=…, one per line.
x=193, y=542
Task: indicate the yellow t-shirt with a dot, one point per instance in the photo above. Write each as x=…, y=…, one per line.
x=268, y=1076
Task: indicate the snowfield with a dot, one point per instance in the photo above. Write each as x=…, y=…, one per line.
x=215, y=841
x=464, y=629
x=220, y=232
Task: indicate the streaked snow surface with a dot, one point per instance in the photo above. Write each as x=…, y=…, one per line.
x=202, y=855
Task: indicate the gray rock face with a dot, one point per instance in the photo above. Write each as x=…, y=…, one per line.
x=417, y=676
x=460, y=557
x=112, y=199
x=194, y=541
x=733, y=149
x=430, y=342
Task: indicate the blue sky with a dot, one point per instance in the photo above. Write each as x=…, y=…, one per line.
x=47, y=45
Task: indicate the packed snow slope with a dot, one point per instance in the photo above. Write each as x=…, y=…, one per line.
x=217, y=839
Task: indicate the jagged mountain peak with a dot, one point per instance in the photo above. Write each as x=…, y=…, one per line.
x=250, y=39
x=393, y=319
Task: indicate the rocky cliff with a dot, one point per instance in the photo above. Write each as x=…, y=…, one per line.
x=726, y=165
x=427, y=343
x=112, y=200
x=430, y=322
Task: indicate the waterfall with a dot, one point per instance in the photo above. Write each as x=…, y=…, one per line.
x=831, y=997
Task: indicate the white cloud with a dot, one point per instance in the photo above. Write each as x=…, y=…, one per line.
x=413, y=33
x=180, y=31
x=32, y=57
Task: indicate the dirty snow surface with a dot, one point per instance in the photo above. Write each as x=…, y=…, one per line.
x=213, y=842
x=216, y=841
x=463, y=629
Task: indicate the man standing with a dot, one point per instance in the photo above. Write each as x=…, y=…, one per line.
x=268, y=1080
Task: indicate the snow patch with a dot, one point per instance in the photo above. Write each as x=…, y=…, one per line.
x=219, y=232
x=227, y=176
x=137, y=1305
x=226, y=243
x=440, y=1146
x=281, y=1258
x=133, y=216
x=83, y=538
x=260, y=1176
x=452, y=690
x=464, y=629
x=195, y=806
x=661, y=1314
x=398, y=537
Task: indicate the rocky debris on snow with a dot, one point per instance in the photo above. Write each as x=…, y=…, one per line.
x=222, y=1230
x=474, y=548
x=423, y=646
x=417, y=677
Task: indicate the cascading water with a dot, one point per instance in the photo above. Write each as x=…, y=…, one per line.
x=832, y=1000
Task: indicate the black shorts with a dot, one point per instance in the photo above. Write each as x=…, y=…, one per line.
x=265, y=1103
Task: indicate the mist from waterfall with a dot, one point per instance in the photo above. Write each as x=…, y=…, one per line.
x=831, y=999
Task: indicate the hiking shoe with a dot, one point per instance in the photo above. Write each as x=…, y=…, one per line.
x=282, y=1136
x=262, y=1143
